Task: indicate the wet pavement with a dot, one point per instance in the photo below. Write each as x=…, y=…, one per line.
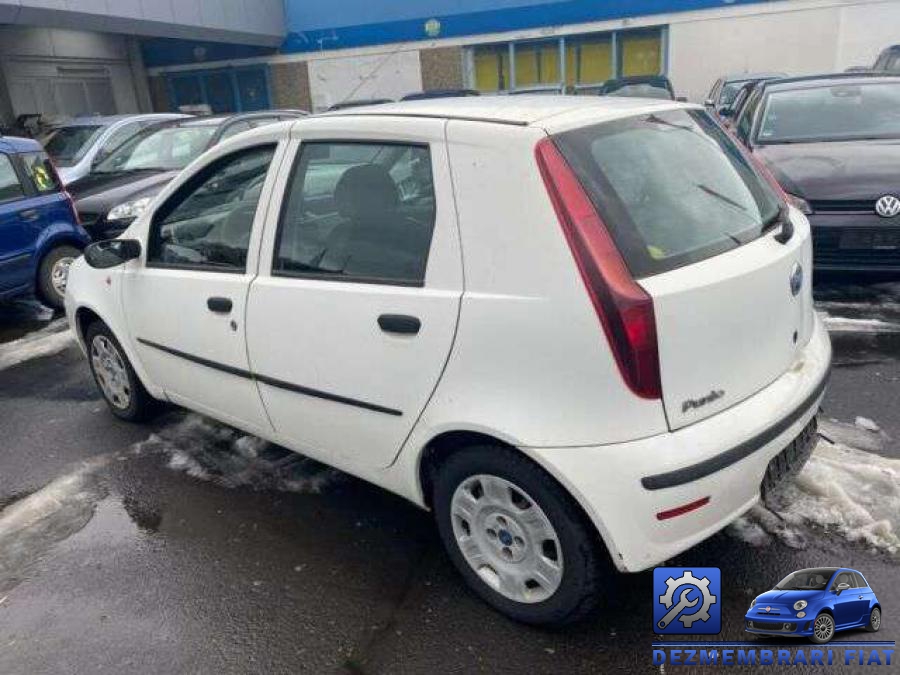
x=184, y=546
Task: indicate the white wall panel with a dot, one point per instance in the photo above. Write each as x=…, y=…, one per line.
x=355, y=77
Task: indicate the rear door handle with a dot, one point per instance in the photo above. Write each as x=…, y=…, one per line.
x=219, y=305
x=399, y=323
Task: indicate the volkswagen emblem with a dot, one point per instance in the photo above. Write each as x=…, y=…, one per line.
x=796, y=278
x=887, y=206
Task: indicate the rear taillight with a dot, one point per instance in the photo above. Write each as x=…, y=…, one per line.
x=624, y=308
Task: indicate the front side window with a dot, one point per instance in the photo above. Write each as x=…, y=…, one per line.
x=842, y=578
x=10, y=187
x=672, y=187
x=208, y=222
x=358, y=212
x=40, y=172
x=842, y=112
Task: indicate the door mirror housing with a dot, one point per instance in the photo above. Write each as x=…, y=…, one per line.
x=841, y=588
x=709, y=103
x=112, y=252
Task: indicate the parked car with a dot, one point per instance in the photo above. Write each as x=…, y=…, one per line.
x=120, y=186
x=359, y=103
x=815, y=603
x=729, y=113
x=832, y=143
x=39, y=231
x=888, y=61
x=726, y=88
x=76, y=146
x=639, y=86
x=634, y=350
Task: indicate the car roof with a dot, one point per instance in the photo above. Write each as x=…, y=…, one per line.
x=740, y=77
x=228, y=118
x=523, y=110
x=14, y=144
x=813, y=81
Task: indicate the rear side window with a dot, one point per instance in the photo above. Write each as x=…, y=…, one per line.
x=10, y=187
x=40, y=172
x=672, y=188
x=208, y=222
x=358, y=212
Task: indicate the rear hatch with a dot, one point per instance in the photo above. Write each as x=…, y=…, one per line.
x=698, y=228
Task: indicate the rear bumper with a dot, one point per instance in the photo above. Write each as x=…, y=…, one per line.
x=723, y=458
x=834, y=247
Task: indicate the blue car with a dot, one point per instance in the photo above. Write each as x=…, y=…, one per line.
x=39, y=231
x=815, y=603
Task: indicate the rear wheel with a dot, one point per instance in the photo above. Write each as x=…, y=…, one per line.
x=53, y=274
x=874, y=620
x=517, y=537
x=124, y=394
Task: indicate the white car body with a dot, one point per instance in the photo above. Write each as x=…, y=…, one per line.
x=115, y=130
x=510, y=346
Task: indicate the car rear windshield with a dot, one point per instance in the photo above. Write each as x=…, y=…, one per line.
x=844, y=112
x=806, y=580
x=161, y=149
x=672, y=187
x=67, y=145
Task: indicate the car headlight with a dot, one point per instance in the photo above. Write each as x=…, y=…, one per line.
x=799, y=203
x=753, y=602
x=129, y=210
x=800, y=604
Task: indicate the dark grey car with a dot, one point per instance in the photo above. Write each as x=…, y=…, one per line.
x=833, y=143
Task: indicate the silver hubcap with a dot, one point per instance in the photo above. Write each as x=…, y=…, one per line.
x=506, y=538
x=875, y=619
x=110, y=371
x=59, y=274
x=823, y=627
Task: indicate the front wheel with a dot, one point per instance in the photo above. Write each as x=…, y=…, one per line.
x=823, y=629
x=874, y=620
x=124, y=394
x=517, y=537
x=53, y=275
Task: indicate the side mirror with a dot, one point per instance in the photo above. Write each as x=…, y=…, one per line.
x=709, y=103
x=842, y=587
x=681, y=99
x=112, y=252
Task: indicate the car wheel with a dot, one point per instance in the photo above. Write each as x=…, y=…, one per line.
x=53, y=273
x=517, y=537
x=122, y=390
x=874, y=620
x=823, y=629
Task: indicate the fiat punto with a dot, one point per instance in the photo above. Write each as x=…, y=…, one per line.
x=579, y=330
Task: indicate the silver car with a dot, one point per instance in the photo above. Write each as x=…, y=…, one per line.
x=80, y=143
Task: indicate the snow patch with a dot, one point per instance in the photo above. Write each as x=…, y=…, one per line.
x=846, y=491
x=841, y=324
x=209, y=451
x=52, y=339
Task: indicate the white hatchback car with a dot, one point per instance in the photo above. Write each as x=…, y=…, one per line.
x=579, y=330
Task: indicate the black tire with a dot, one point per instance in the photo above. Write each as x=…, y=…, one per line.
x=46, y=290
x=140, y=405
x=874, y=625
x=583, y=556
x=821, y=641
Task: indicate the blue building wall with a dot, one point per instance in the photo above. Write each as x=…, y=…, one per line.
x=316, y=25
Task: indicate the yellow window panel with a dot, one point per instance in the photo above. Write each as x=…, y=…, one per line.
x=549, y=64
x=526, y=66
x=641, y=55
x=491, y=69
x=596, y=62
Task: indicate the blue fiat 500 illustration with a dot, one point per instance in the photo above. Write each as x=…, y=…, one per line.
x=815, y=603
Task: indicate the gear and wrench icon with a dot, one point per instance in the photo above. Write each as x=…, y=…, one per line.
x=701, y=585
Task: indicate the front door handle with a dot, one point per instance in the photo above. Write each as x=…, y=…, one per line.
x=219, y=305
x=29, y=214
x=399, y=323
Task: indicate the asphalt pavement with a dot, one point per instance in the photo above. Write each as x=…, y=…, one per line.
x=183, y=546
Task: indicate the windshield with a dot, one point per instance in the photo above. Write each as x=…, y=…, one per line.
x=68, y=144
x=806, y=580
x=672, y=187
x=837, y=113
x=729, y=91
x=164, y=149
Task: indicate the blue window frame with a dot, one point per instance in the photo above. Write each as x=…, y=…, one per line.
x=224, y=89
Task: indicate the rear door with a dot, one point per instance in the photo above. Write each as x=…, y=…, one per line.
x=689, y=214
x=16, y=236
x=353, y=315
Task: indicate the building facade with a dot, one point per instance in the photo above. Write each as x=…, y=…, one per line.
x=236, y=55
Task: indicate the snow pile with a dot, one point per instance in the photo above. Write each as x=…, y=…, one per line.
x=209, y=451
x=51, y=339
x=846, y=490
x=841, y=324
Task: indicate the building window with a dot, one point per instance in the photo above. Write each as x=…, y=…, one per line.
x=590, y=60
x=223, y=90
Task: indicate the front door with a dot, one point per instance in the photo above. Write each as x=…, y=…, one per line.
x=186, y=302
x=16, y=239
x=352, y=318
